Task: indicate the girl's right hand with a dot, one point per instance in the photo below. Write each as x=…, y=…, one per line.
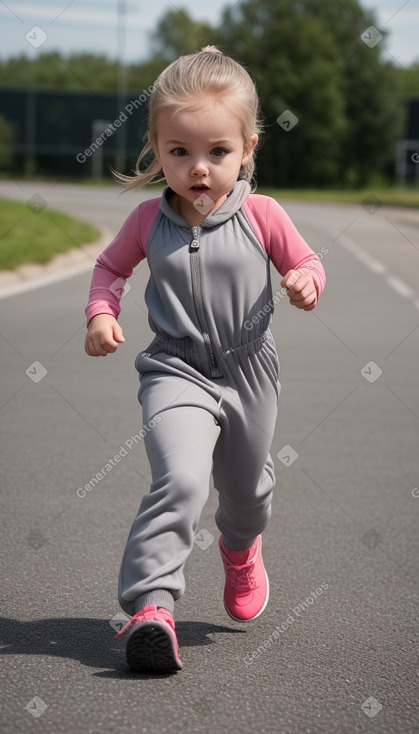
x=103, y=335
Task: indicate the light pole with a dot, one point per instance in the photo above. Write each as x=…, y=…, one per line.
x=121, y=36
x=98, y=128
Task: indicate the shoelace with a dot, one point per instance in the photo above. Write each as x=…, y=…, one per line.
x=242, y=578
x=162, y=615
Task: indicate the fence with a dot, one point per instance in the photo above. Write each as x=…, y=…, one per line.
x=80, y=134
x=74, y=133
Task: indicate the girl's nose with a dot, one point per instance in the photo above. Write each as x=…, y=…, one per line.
x=199, y=168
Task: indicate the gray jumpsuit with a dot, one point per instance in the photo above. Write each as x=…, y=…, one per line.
x=208, y=383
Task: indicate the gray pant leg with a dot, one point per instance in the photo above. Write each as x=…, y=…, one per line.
x=243, y=468
x=179, y=449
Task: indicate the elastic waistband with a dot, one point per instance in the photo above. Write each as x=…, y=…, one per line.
x=186, y=349
x=251, y=347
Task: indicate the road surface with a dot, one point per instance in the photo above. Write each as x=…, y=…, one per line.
x=335, y=649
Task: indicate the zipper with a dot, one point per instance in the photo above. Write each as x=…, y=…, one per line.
x=199, y=304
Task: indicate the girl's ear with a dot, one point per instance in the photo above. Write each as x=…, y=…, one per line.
x=249, y=149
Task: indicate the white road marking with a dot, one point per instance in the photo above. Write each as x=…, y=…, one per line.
x=400, y=286
x=397, y=284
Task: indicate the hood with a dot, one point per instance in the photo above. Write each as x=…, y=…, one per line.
x=235, y=200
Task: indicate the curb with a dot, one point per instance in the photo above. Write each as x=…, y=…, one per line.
x=62, y=266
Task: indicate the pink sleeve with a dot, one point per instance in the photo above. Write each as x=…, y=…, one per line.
x=116, y=263
x=281, y=240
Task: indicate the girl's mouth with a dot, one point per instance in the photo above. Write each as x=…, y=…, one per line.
x=200, y=189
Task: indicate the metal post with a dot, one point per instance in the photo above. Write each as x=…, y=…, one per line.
x=121, y=136
x=30, y=133
x=98, y=127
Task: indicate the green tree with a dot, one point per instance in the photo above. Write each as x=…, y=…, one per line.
x=409, y=81
x=144, y=75
x=309, y=57
x=304, y=55
x=177, y=34
x=76, y=71
x=297, y=66
x=373, y=90
x=52, y=71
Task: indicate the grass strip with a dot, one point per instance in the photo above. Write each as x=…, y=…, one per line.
x=33, y=233
x=374, y=197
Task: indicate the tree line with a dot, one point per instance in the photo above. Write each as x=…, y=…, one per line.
x=315, y=59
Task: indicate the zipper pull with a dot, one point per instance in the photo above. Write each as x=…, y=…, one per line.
x=194, y=244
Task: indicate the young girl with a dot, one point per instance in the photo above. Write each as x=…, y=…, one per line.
x=209, y=379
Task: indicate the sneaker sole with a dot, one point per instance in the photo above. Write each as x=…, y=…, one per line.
x=150, y=649
x=265, y=604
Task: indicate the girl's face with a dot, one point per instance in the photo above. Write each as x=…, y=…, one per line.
x=201, y=151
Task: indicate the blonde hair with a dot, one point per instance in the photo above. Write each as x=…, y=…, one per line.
x=182, y=85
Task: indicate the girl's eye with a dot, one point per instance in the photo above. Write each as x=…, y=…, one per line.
x=179, y=151
x=219, y=151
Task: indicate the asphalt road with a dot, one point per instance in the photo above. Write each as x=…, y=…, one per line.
x=335, y=649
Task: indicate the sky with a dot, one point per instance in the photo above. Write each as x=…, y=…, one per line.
x=73, y=26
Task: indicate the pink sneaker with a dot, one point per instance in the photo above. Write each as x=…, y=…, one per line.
x=151, y=643
x=246, y=591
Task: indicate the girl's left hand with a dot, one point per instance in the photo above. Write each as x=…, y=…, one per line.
x=301, y=288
